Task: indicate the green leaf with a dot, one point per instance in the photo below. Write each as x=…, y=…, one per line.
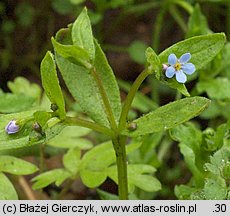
x=146, y=153
x=10, y=103
x=93, y=169
x=42, y=117
x=218, y=161
x=69, y=138
x=16, y=166
x=72, y=53
x=71, y=160
x=4, y=119
x=197, y=24
x=75, y=131
x=57, y=176
x=93, y=178
x=6, y=143
x=7, y=191
x=215, y=189
x=190, y=159
x=95, y=160
x=202, y=48
x=85, y=90
x=20, y=85
x=51, y=84
x=198, y=194
x=138, y=175
x=183, y=192
x=154, y=62
x=218, y=88
x=82, y=34
x=26, y=137
x=136, y=51
x=76, y=2
x=172, y=83
x=70, y=142
x=106, y=196
x=190, y=139
x=169, y=116
x=19, y=139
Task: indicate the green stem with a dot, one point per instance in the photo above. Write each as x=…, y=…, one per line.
x=105, y=99
x=158, y=26
x=130, y=97
x=178, y=18
x=42, y=158
x=119, y=147
x=65, y=189
x=141, y=7
x=88, y=124
x=188, y=7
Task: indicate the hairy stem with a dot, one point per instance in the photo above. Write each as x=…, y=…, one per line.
x=130, y=97
x=119, y=147
x=88, y=124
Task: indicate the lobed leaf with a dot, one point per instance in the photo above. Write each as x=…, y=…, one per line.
x=21, y=85
x=138, y=175
x=11, y=103
x=69, y=137
x=16, y=166
x=218, y=88
x=57, y=176
x=71, y=160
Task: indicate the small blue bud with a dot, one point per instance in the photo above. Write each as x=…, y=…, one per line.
x=12, y=127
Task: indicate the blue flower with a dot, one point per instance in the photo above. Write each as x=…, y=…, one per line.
x=179, y=67
x=12, y=127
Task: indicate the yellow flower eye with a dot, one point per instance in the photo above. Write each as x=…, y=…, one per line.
x=177, y=66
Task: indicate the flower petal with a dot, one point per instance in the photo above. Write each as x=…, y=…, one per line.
x=185, y=58
x=188, y=68
x=172, y=59
x=181, y=77
x=170, y=72
x=12, y=127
